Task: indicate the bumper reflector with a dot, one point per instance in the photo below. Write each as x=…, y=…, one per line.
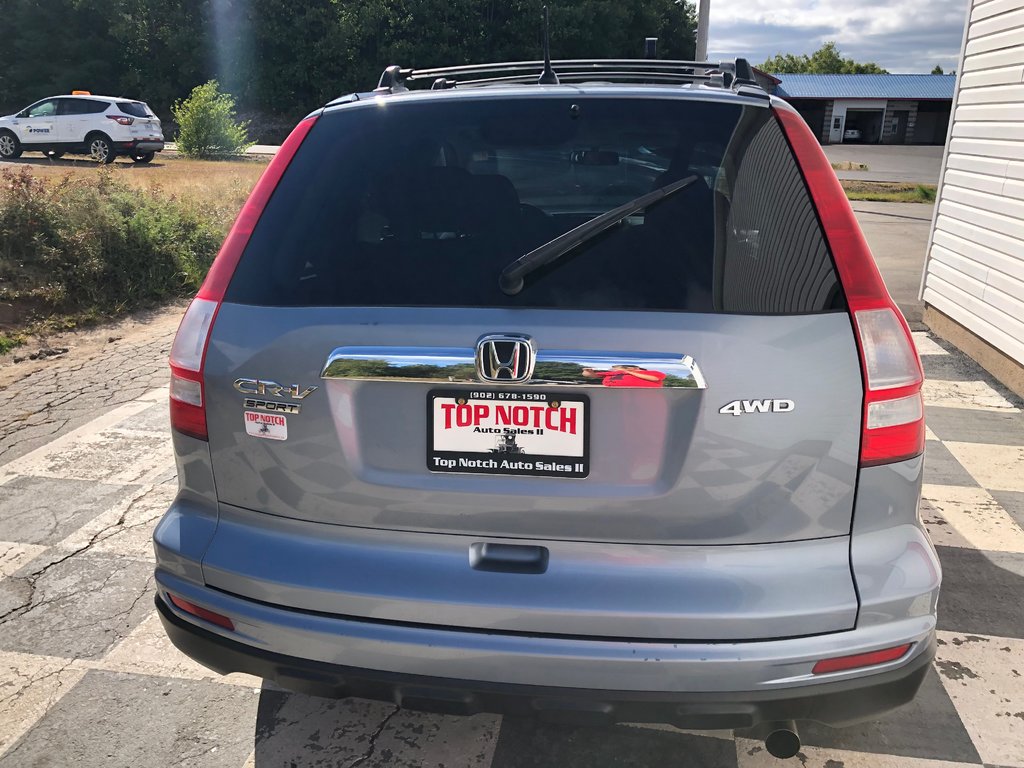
x=860, y=660
x=202, y=613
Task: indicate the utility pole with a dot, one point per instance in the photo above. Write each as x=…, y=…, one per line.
x=703, y=12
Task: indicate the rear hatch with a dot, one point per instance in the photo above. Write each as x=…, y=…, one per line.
x=145, y=124
x=692, y=383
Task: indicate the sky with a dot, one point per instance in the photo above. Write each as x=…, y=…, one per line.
x=899, y=35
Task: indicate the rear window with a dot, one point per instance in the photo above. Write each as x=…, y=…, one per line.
x=134, y=108
x=423, y=203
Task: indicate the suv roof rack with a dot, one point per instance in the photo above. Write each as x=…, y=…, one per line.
x=731, y=75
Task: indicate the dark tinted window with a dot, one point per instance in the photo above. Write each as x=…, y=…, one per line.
x=424, y=203
x=133, y=108
x=82, y=106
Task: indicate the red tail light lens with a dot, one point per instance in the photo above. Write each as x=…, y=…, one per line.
x=860, y=660
x=893, y=417
x=122, y=119
x=188, y=407
x=202, y=613
x=188, y=353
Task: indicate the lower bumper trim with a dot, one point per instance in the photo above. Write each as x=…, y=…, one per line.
x=836, y=703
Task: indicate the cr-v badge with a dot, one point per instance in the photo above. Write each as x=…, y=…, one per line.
x=740, y=407
x=265, y=387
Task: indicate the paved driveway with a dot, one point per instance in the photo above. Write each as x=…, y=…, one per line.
x=915, y=165
x=897, y=234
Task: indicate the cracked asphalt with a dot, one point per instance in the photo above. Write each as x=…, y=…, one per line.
x=88, y=678
x=103, y=368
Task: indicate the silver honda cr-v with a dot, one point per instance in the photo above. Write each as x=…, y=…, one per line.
x=577, y=400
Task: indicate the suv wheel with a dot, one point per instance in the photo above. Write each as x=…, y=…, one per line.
x=10, y=147
x=143, y=157
x=101, y=150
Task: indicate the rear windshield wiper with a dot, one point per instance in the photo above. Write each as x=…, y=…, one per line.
x=511, y=279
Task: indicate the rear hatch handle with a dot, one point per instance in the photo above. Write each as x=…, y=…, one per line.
x=458, y=365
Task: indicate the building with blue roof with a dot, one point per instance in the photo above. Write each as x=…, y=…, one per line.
x=869, y=109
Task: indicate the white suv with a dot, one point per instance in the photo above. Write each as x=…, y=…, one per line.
x=102, y=127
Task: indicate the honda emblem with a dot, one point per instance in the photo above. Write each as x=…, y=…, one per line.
x=508, y=359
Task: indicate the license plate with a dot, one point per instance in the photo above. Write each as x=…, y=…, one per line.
x=498, y=432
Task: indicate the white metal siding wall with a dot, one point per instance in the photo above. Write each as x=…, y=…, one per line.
x=975, y=267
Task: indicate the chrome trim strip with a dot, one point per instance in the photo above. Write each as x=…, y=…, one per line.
x=457, y=365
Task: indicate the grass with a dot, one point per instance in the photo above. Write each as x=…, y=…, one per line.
x=224, y=184
x=850, y=165
x=7, y=343
x=81, y=244
x=889, y=192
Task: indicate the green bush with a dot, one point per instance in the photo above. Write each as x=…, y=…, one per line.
x=207, y=126
x=98, y=246
x=925, y=193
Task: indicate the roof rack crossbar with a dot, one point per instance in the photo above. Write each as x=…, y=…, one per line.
x=735, y=75
x=511, y=66
x=577, y=77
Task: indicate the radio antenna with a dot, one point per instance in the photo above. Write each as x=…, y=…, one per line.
x=548, y=76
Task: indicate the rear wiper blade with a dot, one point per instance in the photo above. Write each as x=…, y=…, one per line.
x=511, y=279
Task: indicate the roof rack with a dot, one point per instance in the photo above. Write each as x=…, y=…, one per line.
x=730, y=75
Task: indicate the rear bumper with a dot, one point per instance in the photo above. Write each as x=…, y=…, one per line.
x=834, y=702
x=142, y=146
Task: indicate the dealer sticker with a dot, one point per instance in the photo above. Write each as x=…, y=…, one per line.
x=267, y=425
x=499, y=432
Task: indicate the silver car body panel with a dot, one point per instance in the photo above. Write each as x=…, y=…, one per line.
x=666, y=466
x=897, y=576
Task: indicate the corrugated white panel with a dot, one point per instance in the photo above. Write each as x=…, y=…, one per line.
x=978, y=260
x=978, y=182
x=975, y=267
x=982, y=218
x=996, y=24
x=1010, y=150
x=1000, y=329
x=999, y=76
x=988, y=130
x=1007, y=39
x=1001, y=94
x=997, y=58
x=991, y=166
x=1014, y=170
x=985, y=10
x=1008, y=207
x=1002, y=112
x=953, y=233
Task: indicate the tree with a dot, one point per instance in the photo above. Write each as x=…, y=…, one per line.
x=206, y=122
x=827, y=60
x=937, y=70
x=281, y=58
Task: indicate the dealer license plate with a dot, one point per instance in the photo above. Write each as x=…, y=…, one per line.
x=500, y=432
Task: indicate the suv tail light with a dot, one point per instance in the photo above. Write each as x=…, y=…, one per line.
x=893, y=417
x=121, y=119
x=188, y=407
x=188, y=352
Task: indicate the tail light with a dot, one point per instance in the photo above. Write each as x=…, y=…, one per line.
x=122, y=119
x=188, y=352
x=893, y=418
x=860, y=660
x=203, y=613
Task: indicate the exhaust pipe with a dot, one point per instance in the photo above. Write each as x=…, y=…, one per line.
x=781, y=739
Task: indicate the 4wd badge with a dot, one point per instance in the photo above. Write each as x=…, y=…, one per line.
x=740, y=407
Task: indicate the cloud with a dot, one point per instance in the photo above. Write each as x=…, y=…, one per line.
x=900, y=35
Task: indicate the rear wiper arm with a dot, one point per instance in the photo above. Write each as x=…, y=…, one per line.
x=511, y=279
